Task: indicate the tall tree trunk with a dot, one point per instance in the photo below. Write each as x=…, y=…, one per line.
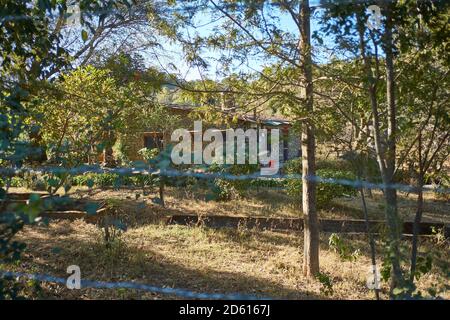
x=419, y=211
x=311, y=227
x=371, y=243
x=391, y=193
x=385, y=150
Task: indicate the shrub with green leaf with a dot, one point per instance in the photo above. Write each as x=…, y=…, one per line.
x=224, y=189
x=344, y=249
x=113, y=180
x=326, y=191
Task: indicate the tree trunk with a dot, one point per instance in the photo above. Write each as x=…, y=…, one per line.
x=108, y=154
x=418, y=217
x=372, y=245
x=311, y=227
x=385, y=152
x=391, y=193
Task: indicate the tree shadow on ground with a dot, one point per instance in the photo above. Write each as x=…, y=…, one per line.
x=145, y=265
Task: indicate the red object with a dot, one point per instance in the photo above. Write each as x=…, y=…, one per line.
x=271, y=163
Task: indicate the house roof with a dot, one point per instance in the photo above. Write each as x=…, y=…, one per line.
x=275, y=122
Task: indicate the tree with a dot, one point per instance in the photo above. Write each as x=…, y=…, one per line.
x=423, y=147
x=252, y=28
x=86, y=112
x=25, y=38
x=311, y=223
x=373, y=49
x=104, y=28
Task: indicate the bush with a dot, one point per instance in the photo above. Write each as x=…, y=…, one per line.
x=32, y=181
x=103, y=180
x=17, y=182
x=268, y=183
x=294, y=185
x=336, y=164
x=149, y=154
x=224, y=189
x=35, y=183
x=326, y=192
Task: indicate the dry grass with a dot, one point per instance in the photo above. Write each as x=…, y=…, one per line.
x=253, y=262
x=275, y=203
x=435, y=210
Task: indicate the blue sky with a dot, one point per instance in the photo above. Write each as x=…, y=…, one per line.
x=171, y=53
x=286, y=23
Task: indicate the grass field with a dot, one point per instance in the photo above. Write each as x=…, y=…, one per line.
x=276, y=203
x=261, y=263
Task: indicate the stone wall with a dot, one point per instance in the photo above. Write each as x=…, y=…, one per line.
x=132, y=143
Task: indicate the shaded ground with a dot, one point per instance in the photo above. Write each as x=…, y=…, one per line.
x=261, y=263
x=275, y=203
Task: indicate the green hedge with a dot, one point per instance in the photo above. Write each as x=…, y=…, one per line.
x=112, y=180
x=326, y=192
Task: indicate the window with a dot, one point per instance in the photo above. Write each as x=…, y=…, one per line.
x=153, y=141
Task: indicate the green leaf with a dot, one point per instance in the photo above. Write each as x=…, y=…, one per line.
x=84, y=35
x=52, y=182
x=34, y=197
x=397, y=291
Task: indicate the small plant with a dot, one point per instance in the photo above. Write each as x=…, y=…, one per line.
x=345, y=251
x=326, y=282
x=35, y=183
x=149, y=154
x=438, y=235
x=223, y=189
x=112, y=230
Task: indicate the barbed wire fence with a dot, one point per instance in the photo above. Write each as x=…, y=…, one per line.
x=174, y=173
x=91, y=284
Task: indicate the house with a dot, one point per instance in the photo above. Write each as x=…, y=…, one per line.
x=289, y=140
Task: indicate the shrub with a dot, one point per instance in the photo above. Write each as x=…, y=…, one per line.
x=224, y=189
x=336, y=164
x=17, y=182
x=294, y=185
x=103, y=180
x=268, y=183
x=345, y=250
x=149, y=154
x=326, y=192
x=35, y=183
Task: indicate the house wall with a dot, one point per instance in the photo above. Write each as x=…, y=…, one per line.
x=132, y=143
